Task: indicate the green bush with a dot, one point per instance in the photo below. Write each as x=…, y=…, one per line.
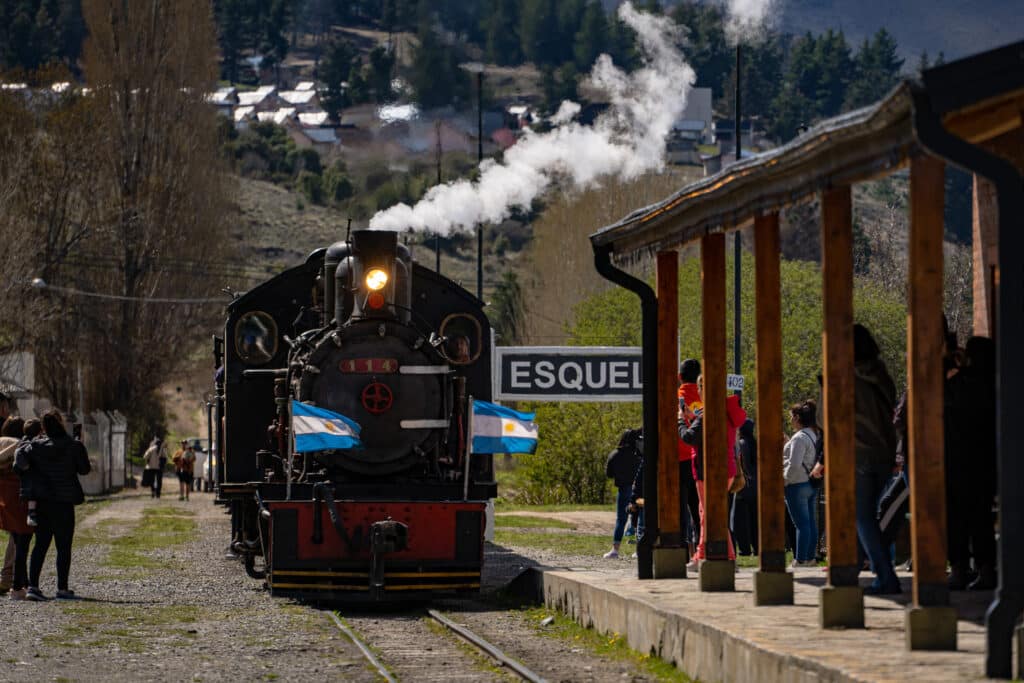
x=312, y=187
x=569, y=465
x=336, y=184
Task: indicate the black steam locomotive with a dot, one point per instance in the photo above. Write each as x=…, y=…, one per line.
x=362, y=330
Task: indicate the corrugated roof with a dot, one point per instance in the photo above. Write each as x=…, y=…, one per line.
x=297, y=96
x=848, y=148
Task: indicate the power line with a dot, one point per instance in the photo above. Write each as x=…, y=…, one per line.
x=40, y=284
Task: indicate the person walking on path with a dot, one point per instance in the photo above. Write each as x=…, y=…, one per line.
x=56, y=461
x=621, y=467
x=743, y=520
x=798, y=460
x=184, y=464
x=13, y=513
x=875, y=444
x=154, y=460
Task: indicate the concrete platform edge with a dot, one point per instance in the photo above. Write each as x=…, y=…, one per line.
x=703, y=651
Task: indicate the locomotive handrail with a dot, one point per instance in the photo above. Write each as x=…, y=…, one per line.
x=272, y=372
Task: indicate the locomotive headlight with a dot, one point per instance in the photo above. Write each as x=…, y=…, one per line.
x=376, y=279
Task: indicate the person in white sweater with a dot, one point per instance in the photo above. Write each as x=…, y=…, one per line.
x=797, y=464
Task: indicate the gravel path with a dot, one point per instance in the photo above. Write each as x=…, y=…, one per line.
x=190, y=616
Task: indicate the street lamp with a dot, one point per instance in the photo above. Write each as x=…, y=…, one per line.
x=478, y=69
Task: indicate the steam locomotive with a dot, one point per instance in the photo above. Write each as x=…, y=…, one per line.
x=362, y=330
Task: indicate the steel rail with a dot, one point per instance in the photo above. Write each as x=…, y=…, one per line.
x=487, y=647
x=370, y=657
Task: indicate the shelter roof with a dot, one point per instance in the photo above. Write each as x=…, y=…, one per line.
x=855, y=146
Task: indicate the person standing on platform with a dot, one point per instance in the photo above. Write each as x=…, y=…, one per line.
x=689, y=503
x=13, y=513
x=875, y=443
x=798, y=460
x=621, y=468
x=743, y=521
x=154, y=460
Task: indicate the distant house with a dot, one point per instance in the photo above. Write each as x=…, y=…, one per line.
x=243, y=116
x=303, y=100
x=314, y=119
x=305, y=85
x=279, y=117
x=263, y=98
x=698, y=109
x=224, y=99
x=323, y=140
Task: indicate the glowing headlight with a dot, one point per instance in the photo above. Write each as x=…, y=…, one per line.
x=376, y=279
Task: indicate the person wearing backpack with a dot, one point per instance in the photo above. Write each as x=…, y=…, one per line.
x=798, y=456
x=621, y=468
x=743, y=520
x=875, y=446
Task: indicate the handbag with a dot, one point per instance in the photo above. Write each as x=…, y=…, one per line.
x=739, y=482
x=147, y=477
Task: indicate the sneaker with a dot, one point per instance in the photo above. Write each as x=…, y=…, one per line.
x=35, y=595
x=66, y=595
x=693, y=566
x=633, y=556
x=611, y=555
x=18, y=594
x=31, y=521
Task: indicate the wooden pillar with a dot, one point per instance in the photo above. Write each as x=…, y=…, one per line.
x=773, y=585
x=671, y=554
x=931, y=622
x=984, y=252
x=717, y=572
x=842, y=600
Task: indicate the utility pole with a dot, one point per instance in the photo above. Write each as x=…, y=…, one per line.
x=737, y=240
x=479, y=160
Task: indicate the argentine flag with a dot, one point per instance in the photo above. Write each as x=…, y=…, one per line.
x=497, y=429
x=316, y=429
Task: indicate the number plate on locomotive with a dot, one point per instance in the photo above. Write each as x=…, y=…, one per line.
x=368, y=366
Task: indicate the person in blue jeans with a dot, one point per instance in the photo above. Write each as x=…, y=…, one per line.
x=798, y=459
x=622, y=467
x=875, y=440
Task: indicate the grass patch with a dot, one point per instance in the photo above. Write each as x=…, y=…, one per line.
x=503, y=505
x=611, y=646
x=524, y=522
x=159, y=528
x=568, y=544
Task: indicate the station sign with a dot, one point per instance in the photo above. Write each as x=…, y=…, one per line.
x=568, y=373
x=573, y=373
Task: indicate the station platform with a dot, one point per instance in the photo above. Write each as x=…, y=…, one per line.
x=723, y=637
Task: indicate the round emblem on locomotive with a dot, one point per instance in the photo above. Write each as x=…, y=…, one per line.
x=377, y=398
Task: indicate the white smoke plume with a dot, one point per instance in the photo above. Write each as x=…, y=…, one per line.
x=627, y=140
x=747, y=19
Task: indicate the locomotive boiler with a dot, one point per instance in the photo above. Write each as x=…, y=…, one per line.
x=361, y=330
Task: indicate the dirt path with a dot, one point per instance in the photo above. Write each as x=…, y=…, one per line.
x=160, y=603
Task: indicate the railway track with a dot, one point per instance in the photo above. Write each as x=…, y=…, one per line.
x=415, y=646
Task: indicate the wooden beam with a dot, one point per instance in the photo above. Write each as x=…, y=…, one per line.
x=925, y=343
x=716, y=475
x=840, y=456
x=988, y=120
x=668, y=404
x=770, y=498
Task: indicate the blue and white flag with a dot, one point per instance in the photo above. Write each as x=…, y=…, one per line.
x=316, y=429
x=497, y=429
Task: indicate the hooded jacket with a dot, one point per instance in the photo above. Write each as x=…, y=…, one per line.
x=798, y=456
x=747, y=447
x=875, y=402
x=625, y=459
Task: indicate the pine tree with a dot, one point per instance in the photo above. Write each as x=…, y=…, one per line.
x=334, y=70
x=592, y=38
x=502, y=30
x=538, y=31
x=382, y=64
x=876, y=70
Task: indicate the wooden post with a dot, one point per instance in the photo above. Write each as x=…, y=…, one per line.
x=670, y=555
x=773, y=585
x=842, y=601
x=931, y=622
x=717, y=572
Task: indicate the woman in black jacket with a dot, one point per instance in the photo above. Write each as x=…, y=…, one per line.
x=54, y=460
